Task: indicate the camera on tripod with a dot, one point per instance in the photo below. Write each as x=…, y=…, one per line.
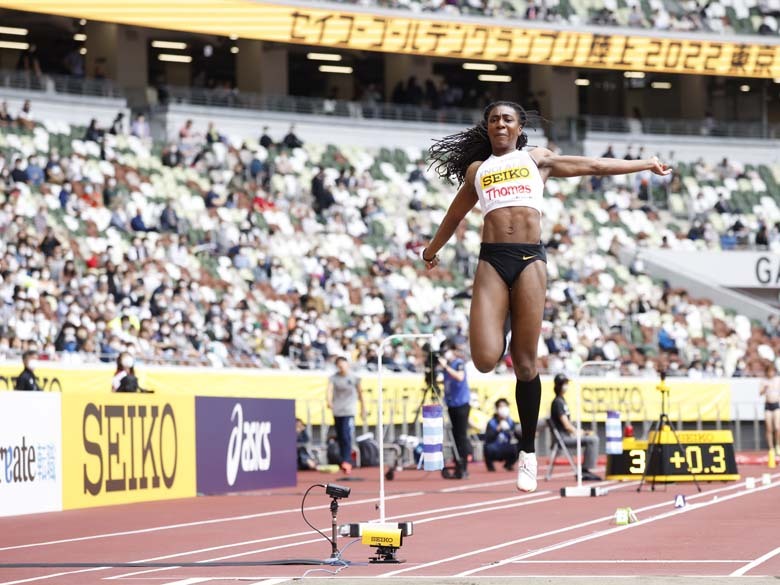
x=431, y=367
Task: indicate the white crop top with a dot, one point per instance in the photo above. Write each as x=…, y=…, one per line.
x=509, y=180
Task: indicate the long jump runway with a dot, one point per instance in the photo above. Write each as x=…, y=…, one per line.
x=478, y=530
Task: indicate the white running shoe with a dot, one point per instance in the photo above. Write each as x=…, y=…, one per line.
x=526, y=473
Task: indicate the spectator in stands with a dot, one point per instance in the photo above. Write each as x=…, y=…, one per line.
x=214, y=199
x=19, y=173
x=137, y=223
x=212, y=134
x=93, y=133
x=5, y=116
x=708, y=125
x=34, y=171
x=169, y=219
x=418, y=174
x=501, y=437
x=723, y=205
x=140, y=128
x=635, y=18
x=265, y=140
x=323, y=197
x=171, y=156
x=609, y=153
x=291, y=140
x=25, y=118
x=27, y=379
x=762, y=236
x=118, y=125
x=560, y=417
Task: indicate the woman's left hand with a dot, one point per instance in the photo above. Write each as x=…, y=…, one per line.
x=659, y=168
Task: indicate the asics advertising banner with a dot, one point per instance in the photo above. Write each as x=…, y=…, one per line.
x=30, y=453
x=244, y=444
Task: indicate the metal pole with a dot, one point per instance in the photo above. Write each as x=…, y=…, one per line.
x=380, y=421
x=601, y=364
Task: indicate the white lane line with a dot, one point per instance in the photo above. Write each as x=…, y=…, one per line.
x=616, y=529
x=525, y=500
x=52, y=576
x=549, y=533
x=155, y=570
x=308, y=532
x=190, y=581
x=490, y=509
x=269, y=582
x=753, y=564
x=203, y=522
x=247, y=516
x=627, y=562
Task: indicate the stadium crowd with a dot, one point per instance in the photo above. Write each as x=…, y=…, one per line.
x=280, y=254
x=734, y=17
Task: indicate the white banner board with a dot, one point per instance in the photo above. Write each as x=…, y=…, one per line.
x=30, y=453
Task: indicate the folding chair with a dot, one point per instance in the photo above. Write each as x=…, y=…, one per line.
x=557, y=445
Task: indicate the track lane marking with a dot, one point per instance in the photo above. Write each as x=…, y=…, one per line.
x=753, y=564
x=616, y=529
x=52, y=576
x=626, y=562
x=737, y=485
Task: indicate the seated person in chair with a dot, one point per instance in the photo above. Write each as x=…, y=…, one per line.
x=498, y=438
x=560, y=418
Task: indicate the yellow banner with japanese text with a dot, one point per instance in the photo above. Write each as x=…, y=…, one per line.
x=495, y=39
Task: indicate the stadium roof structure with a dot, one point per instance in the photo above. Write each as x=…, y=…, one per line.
x=436, y=35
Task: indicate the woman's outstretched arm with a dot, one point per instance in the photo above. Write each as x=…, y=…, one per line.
x=555, y=165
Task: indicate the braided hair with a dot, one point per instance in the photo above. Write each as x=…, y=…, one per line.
x=451, y=156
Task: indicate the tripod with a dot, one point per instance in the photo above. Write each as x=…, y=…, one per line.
x=655, y=448
x=433, y=389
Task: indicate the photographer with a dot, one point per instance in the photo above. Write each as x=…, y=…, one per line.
x=498, y=438
x=457, y=396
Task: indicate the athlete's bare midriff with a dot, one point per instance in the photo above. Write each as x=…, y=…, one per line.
x=772, y=390
x=512, y=225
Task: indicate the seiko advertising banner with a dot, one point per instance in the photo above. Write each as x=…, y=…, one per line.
x=123, y=448
x=30, y=453
x=244, y=444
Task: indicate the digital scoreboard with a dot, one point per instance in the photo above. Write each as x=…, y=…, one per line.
x=703, y=455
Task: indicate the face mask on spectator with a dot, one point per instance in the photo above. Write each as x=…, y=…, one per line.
x=127, y=362
x=503, y=411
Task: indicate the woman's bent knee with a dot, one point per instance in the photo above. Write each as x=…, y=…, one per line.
x=525, y=369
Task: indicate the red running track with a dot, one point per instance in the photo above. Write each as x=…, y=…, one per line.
x=476, y=527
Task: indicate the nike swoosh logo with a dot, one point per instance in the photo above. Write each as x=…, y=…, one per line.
x=529, y=257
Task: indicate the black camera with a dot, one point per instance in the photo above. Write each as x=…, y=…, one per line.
x=337, y=491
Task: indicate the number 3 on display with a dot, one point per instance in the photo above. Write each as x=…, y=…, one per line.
x=718, y=458
x=637, y=461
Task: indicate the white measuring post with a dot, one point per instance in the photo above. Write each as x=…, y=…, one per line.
x=380, y=420
x=579, y=490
